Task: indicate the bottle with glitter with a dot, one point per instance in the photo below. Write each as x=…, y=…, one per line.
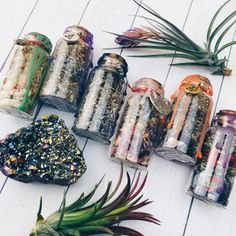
x=103, y=97
x=70, y=63
x=189, y=121
x=27, y=66
x=140, y=126
x=213, y=176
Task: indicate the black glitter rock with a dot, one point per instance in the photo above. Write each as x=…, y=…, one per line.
x=45, y=151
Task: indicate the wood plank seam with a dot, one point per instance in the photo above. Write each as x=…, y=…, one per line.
x=223, y=78
x=121, y=51
x=5, y=60
x=84, y=11
x=22, y=29
x=183, y=27
x=214, y=112
x=40, y=105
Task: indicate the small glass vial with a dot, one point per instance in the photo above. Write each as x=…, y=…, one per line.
x=71, y=60
x=214, y=174
x=189, y=121
x=103, y=97
x=28, y=65
x=140, y=126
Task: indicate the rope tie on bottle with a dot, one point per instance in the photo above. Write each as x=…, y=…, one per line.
x=24, y=42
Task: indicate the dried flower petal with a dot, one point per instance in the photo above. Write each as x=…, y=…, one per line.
x=128, y=39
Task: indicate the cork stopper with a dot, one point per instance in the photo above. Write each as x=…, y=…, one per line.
x=148, y=84
x=36, y=39
x=113, y=60
x=76, y=33
x=225, y=118
x=197, y=83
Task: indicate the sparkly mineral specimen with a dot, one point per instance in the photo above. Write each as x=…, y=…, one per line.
x=45, y=151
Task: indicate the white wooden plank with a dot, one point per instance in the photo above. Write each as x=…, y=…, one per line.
x=11, y=22
x=152, y=67
x=116, y=18
x=54, y=19
x=12, y=19
x=19, y=201
x=166, y=181
x=221, y=221
x=169, y=199
x=207, y=219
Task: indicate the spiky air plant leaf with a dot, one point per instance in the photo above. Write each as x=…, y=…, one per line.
x=101, y=216
x=164, y=36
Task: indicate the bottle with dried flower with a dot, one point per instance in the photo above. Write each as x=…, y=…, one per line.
x=213, y=177
x=139, y=129
x=71, y=60
x=103, y=97
x=188, y=123
x=28, y=65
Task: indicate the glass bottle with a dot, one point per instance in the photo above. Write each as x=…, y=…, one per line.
x=71, y=60
x=140, y=126
x=103, y=97
x=28, y=65
x=188, y=123
x=214, y=174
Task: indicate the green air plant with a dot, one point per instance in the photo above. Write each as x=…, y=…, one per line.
x=101, y=217
x=161, y=34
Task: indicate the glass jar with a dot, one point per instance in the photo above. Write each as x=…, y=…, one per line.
x=103, y=97
x=28, y=65
x=188, y=123
x=214, y=174
x=71, y=60
x=140, y=126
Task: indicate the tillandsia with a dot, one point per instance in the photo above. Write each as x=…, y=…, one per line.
x=100, y=217
x=162, y=34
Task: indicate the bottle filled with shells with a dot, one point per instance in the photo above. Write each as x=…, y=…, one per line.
x=141, y=123
x=27, y=66
x=104, y=94
x=213, y=177
x=189, y=120
x=70, y=63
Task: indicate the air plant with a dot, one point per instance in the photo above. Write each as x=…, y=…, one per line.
x=161, y=34
x=100, y=217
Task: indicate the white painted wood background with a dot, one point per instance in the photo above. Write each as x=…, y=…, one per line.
x=179, y=213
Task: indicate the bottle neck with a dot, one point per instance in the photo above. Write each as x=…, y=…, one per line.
x=113, y=67
x=225, y=118
x=74, y=34
x=148, y=85
x=114, y=62
x=35, y=39
x=195, y=84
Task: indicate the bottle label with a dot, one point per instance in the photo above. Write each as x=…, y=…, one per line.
x=161, y=104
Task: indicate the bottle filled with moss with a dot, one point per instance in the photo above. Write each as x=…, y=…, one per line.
x=187, y=125
x=213, y=177
x=140, y=126
x=70, y=63
x=103, y=97
x=27, y=66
